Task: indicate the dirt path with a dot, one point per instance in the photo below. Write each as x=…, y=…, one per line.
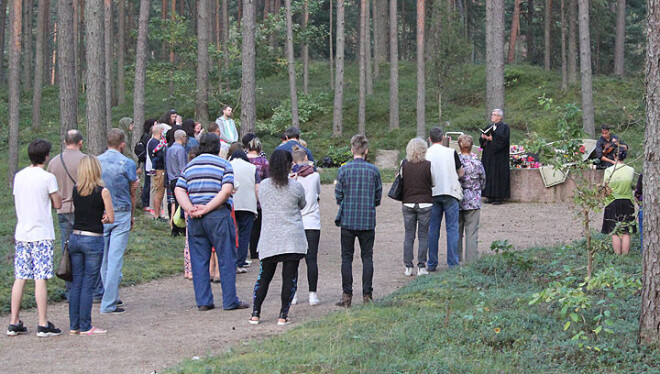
x=162, y=325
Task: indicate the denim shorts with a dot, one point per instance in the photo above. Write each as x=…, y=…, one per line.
x=34, y=260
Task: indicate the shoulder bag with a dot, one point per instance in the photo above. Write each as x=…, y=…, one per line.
x=396, y=190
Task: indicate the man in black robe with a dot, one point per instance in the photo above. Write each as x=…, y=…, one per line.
x=495, y=157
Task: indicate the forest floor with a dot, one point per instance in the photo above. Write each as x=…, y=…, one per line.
x=162, y=325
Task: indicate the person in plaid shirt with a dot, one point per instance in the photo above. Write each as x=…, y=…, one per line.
x=358, y=192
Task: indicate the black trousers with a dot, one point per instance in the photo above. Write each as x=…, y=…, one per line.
x=289, y=282
x=313, y=237
x=254, y=235
x=366, y=240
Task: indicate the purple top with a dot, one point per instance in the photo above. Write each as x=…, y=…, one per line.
x=262, y=166
x=473, y=182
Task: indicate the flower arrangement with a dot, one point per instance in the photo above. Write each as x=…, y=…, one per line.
x=520, y=159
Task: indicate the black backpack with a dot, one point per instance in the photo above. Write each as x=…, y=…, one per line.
x=140, y=149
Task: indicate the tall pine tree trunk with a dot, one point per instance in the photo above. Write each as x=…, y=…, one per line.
x=27, y=44
x=531, y=43
x=494, y=55
x=332, y=57
x=39, y=65
x=564, y=60
x=381, y=32
x=620, y=38
x=305, y=48
x=572, y=42
x=3, y=26
x=585, y=69
x=291, y=65
x=81, y=52
x=337, y=124
x=203, y=32
x=421, y=71
x=546, y=33
x=649, y=321
x=66, y=66
x=121, y=53
x=172, y=18
x=95, y=78
x=140, y=67
x=367, y=51
x=248, y=82
x=107, y=52
x=225, y=41
x=362, y=89
x=15, y=23
x=515, y=28
x=394, y=66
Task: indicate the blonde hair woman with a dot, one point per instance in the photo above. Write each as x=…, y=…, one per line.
x=416, y=204
x=93, y=208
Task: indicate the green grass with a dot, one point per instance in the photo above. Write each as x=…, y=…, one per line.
x=474, y=319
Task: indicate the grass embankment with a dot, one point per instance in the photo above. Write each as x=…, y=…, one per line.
x=475, y=319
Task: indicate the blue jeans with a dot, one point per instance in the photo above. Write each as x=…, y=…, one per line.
x=641, y=229
x=116, y=239
x=86, y=256
x=244, y=220
x=447, y=205
x=66, y=225
x=215, y=229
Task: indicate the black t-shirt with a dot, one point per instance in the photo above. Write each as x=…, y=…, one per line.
x=89, y=210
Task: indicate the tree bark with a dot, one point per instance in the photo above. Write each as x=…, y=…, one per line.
x=381, y=32
x=3, y=26
x=377, y=38
x=585, y=69
x=140, y=67
x=620, y=37
x=649, y=321
x=248, y=82
x=291, y=65
x=95, y=78
x=203, y=32
x=46, y=45
x=225, y=41
x=494, y=55
x=121, y=53
x=367, y=51
x=171, y=55
x=546, y=31
x=66, y=67
x=15, y=23
x=107, y=52
x=531, y=45
x=80, y=51
x=564, y=61
x=337, y=125
x=394, y=67
x=421, y=71
x=26, y=67
x=305, y=48
x=515, y=28
x=163, y=9
x=572, y=42
x=39, y=66
x=332, y=58
x=362, y=101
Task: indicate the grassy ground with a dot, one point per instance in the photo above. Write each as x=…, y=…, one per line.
x=476, y=319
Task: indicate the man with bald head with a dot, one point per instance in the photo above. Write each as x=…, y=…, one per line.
x=65, y=168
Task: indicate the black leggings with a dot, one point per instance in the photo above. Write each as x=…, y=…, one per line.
x=289, y=284
x=254, y=236
x=313, y=237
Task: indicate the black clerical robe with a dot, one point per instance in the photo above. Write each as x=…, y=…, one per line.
x=495, y=158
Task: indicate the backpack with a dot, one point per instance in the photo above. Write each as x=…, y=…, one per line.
x=140, y=149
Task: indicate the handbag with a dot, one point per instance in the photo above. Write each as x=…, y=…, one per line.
x=178, y=220
x=396, y=190
x=64, y=268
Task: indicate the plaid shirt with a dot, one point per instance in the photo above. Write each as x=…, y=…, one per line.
x=358, y=192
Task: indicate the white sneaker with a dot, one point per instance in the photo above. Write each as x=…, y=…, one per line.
x=313, y=299
x=295, y=299
x=422, y=271
x=409, y=272
x=241, y=270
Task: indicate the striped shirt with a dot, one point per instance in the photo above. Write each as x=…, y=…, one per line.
x=204, y=177
x=358, y=192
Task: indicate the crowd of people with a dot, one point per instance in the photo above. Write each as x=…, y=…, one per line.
x=237, y=206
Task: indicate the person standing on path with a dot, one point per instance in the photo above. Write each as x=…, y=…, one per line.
x=65, y=168
x=245, y=204
x=156, y=153
x=93, y=208
x=282, y=234
x=120, y=178
x=416, y=204
x=177, y=158
x=472, y=182
x=226, y=126
x=261, y=162
x=358, y=192
x=204, y=193
x=446, y=168
x=35, y=194
x=495, y=157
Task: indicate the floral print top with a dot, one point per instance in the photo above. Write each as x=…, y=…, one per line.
x=472, y=182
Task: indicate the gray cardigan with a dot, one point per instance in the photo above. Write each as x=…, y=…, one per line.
x=282, y=228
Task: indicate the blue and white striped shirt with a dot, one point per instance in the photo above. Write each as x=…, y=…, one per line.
x=204, y=177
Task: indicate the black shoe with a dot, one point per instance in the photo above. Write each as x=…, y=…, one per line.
x=48, y=330
x=497, y=202
x=97, y=300
x=240, y=305
x=205, y=308
x=17, y=329
x=119, y=303
x=117, y=310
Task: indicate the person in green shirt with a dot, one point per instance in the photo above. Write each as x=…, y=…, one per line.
x=619, y=216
